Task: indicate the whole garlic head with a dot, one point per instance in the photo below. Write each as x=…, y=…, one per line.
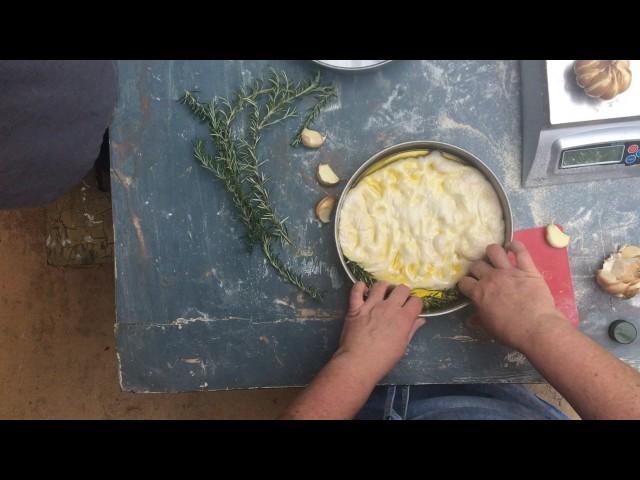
x=603, y=78
x=620, y=273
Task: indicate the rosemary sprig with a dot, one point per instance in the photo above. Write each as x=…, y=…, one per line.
x=360, y=273
x=434, y=300
x=322, y=95
x=236, y=161
x=223, y=171
x=276, y=109
x=286, y=273
x=199, y=109
x=441, y=298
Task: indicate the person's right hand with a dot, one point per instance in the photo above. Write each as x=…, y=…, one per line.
x=513, y=302
x=378, y=329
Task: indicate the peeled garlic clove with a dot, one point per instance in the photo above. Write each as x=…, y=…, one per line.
x=326, y=175
x=556, y=237
x=324, y=208
x=311, y=138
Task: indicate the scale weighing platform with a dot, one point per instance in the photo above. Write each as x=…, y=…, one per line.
x=571, y=137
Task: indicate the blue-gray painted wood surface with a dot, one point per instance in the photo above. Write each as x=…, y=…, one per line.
x=194, y=311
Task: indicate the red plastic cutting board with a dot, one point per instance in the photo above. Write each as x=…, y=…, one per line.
x=553, y=263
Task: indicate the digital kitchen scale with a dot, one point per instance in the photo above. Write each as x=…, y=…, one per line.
x=571, y=137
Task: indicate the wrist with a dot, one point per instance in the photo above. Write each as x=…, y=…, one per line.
x=361, y=369
x=338, y=391
x=542, y=330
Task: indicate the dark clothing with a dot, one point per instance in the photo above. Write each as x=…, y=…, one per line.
x=53, y=116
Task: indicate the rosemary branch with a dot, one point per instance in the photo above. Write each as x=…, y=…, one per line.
x=236, y=163
x=275, y=110
x=323, y=95
x=435, y=300
x=360, y=273
x=286, y=273
x=229, y=178
x=199, y=109
x=441, y=298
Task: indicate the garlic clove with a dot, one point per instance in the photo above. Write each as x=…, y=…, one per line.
x=556, y=237
x=605, y=277
x=630, y=270
x=624, y=80
x=632, y=291
x=630, y=251
x=611, y=286
x=311, y=138
x=324, y=208
x=326, y=175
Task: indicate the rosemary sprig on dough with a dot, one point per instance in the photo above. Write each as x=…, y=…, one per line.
x=437, y=299
x=236, y=163
x=431, y=299
x=360, y=273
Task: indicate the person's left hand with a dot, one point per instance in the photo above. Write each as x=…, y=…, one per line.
x=378, y=330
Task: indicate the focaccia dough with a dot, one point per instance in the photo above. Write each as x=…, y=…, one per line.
x=421, y=221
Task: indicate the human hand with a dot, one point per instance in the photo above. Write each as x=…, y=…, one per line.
x=378, y=330
x=513, y=302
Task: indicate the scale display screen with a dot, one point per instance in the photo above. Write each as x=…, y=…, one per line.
x=582, y=157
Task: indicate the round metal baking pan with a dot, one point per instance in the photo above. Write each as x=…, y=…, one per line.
x=466, y=157
x=352, y=65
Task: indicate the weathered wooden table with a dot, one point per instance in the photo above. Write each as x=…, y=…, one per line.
x=195, y=312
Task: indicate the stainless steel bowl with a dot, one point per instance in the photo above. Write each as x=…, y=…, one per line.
x=465, y=156
x=352, y=65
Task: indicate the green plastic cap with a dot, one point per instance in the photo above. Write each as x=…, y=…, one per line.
x=622, y=331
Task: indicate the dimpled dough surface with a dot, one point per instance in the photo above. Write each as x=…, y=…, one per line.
x=420, y=221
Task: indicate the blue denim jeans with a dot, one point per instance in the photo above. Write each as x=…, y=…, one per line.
x=457, y=402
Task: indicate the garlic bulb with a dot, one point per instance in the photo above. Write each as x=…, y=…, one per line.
x=603, y=78
x=620, y=273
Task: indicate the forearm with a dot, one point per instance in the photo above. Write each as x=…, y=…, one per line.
x=338, y=392
x=594, y=382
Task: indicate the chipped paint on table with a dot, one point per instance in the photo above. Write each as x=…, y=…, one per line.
x=79, y=226
x=195, y=312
